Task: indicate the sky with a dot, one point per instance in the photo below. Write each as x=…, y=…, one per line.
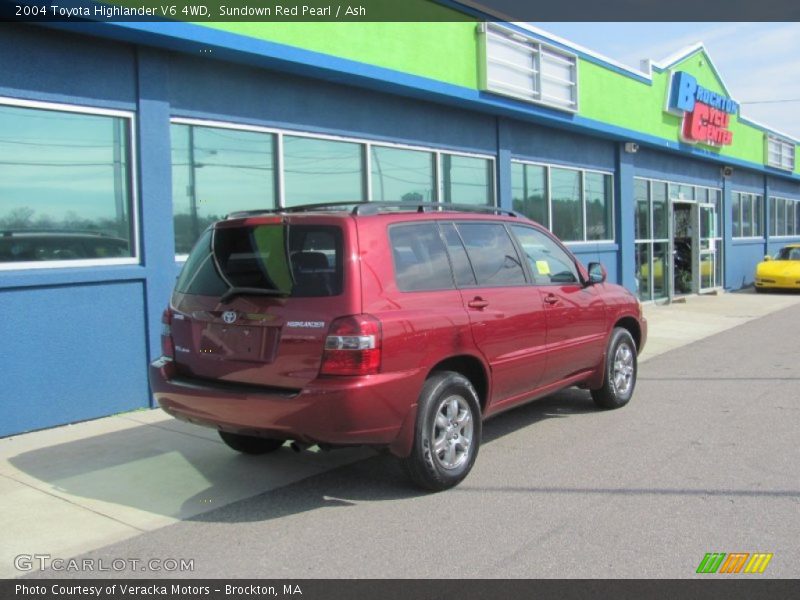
x=758, y=61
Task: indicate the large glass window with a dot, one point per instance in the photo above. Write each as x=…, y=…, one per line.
x=642, y=221
x=467, y=179
x=402, y=175
x=660, y=210
x=780, y=221
x=529, y=191
x=565, y=190
x=748, y=220
x=217, y=171
x=65, y=186
x=784, y=216
x=320, y=170
x=520, y=66
x=599, y=206
x=736, y=203
x=747, y=215
x=560, y=198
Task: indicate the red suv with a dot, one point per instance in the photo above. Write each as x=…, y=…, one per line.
x=400, y=326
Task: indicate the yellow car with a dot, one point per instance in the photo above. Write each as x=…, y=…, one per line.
x=781, y=272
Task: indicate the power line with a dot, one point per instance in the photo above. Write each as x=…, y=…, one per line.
x=772, y=101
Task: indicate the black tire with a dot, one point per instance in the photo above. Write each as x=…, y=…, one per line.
x=760, y=290
x=249, y=444
x=620, y=371
x=451, y=397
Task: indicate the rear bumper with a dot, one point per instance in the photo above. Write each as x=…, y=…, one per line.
x=373, y=410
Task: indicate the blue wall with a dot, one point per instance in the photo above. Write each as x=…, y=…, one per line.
x=672, y=167
x=203, y=88
x=71, y=353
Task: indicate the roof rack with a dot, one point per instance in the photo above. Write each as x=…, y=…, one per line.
x=372, y=208
x=11, y=232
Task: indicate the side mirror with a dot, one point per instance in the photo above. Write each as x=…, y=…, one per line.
x=597, y=273
x=767, y=258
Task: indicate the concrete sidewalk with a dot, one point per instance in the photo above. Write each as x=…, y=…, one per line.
x=71, y=489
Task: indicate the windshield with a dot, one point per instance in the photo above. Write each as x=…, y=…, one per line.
x=259, y=258
x=788, y=253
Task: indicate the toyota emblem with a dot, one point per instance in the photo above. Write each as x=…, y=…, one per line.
x=229, y=316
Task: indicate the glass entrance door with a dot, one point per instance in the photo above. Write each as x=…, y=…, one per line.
x=684, y=244
x=707, y=252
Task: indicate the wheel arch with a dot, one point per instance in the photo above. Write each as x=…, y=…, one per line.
x=632, y=326
x=473, y=369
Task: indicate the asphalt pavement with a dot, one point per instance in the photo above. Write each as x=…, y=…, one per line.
x=703, y=459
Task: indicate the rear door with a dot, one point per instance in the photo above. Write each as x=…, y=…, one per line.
x=254, y=301
x=576, y=317
x=506, y=312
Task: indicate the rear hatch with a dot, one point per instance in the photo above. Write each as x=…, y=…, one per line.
x=256, y=297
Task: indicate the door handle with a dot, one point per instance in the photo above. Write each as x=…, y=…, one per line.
x=478, y=302
x=551, y=299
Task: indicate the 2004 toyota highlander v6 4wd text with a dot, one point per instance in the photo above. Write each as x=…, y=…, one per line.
x=400, y=326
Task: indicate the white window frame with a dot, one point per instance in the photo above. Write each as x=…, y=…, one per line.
x=133, y=201
x=773, y=222
x=366, y=146
x=548, y=167
x=753, y=196
x=536, y=48
x=778, y=151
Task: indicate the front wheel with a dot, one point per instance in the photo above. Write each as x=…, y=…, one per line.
x=248, y=444
x=620, y=371
x=447, y=434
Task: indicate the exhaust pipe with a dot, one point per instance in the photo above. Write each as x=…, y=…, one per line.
x=299, y=446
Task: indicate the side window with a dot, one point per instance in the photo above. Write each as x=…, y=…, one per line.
x=458, y=256
x=492, y=254
x=420, y=258
x=548, y=261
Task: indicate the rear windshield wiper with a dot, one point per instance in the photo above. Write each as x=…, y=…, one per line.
x=250, y=291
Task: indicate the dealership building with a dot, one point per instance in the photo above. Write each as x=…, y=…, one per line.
x=121, y=141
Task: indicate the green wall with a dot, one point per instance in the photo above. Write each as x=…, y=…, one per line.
x=445, y=51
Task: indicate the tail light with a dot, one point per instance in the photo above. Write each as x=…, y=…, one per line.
x=167, y=345
x=353, y=346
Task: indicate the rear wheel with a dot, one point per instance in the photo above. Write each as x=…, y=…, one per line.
x=249, y=444
x=447, y=434
x=620, y=371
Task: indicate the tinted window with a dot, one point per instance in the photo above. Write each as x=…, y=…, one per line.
x=402, y=175
x=316, y=171
x=565, y=188
x=467, y=179
x=529, y=191
x=63, y=175
x=420, y=260
x=310, y=265
x=462, y=270
x=492, y=254
x=548, y=261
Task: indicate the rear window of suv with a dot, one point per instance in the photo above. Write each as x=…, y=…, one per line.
x=307, y=264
